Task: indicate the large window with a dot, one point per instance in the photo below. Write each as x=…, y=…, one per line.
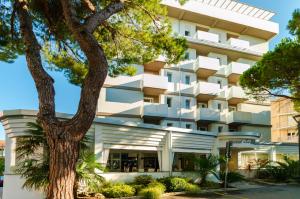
x=169, y=102
x=169, y=75
x=132, y=161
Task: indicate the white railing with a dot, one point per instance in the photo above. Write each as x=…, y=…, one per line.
x=262, y=118
x=239, y=43
x=207, y=63
x=155, y=81
x=236, y=68
x=236, y=92
x=124, y=81
x=208, y=114
x=155, y=109
x=202, y=35
x=207, y=88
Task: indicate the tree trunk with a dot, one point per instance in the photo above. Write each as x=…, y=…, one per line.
x=62, y=172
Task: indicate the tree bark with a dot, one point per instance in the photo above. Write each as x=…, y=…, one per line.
x=62, y=172
x=63, y=137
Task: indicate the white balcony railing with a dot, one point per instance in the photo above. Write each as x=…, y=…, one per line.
x=206, y=66
x=236, y=94
x=207, y=114
x=236, y=68
x=207, y=88
x=239, y=43
x=155, y=82
x=124, y=81
x=241, y=117
x=155, y=109
x=202, y=35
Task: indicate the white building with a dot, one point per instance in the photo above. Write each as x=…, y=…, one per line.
x=156, y=120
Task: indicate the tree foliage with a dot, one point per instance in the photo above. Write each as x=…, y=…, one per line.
x=33, y=161
x=278, y=72
x=137, y=34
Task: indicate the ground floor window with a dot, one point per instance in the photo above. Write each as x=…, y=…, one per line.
x=185, y=161
x=132, y=161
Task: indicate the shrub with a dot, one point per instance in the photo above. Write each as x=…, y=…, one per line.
x=151, y=192
x=158, y=185
x=174, y=184
x=143, y=180
x=192, y=189
x=137, y=187
x=210, y=184
x=118, y=190
x=232, y=176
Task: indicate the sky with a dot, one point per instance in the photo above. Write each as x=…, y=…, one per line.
x=17, y=89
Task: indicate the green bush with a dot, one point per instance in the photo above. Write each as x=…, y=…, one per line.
x=143, y=180
x=118, y=190
x=151, y=193
x=232, y=176
x=192, y=189
x=158, y=185
x=174, y=184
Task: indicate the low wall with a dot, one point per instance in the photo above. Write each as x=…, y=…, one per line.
x=12, y=189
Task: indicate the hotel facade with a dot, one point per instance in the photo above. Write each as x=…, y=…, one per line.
x=158, y=120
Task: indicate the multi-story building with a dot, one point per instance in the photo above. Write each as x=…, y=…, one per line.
x=159, y=119
x=201, y=93
x=284, y=127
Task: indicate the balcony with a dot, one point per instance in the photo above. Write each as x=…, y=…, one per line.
x=155, y=110
x=239, y=43
x=207, y=115
x=119, y=109
x=205, y=90
x=186, y=89
x=240, y=118
x=207, y=36
x=206, y=66
x=234, y=70
x=156, y=65
x=123, y=81
x=154, y=84
x=236, y=95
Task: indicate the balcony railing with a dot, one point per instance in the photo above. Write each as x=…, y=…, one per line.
x=155, y=110
x=206, y=90
x=206, y=66
x=236, y=95
x=154, y=84
x=239, y=43
x=124, y=81
x=241, y=117
x=202, y=35
x=234, y=70
x=208, y=115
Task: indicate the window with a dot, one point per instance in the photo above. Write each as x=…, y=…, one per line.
x=202, y=105
x=220, y=129
x=188, y=104
x=169, y=124
x=186, y=55
x=220, y=61
x=187, y=79
x=232, y=108
x=187, y=33
x=148, y=99
x=202, y=128
x=169, y=101
x=169, y=75
x=219, y=106
x=188, y=126
x=220, y=83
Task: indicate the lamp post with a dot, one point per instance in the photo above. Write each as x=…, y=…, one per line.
x=297, y=119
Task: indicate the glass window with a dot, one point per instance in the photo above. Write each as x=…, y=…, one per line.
x=169, y=75
x=187, y=55
x=187, y=79
x=169, y=101
x=219, y=106
x=220, y=129
x=188, y=104
x=187, y=33
x=170, y=124
x=220, y=83
x=188, y=126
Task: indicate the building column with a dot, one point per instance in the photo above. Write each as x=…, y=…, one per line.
x=167, y=154
x=159, y=157
x=272, y=155
x=10, y=153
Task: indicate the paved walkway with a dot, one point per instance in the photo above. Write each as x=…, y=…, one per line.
x=263, y=192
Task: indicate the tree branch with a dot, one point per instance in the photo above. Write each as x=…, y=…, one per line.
x=99, y=17
x=280, y=95
x=98, y=68
x=43, y=82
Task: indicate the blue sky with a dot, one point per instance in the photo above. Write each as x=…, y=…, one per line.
x=17, y=90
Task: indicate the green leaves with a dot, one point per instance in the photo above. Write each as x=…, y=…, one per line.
x=136, y=35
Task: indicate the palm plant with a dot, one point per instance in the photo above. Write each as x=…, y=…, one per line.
x=33, y=160
x=207, y=165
